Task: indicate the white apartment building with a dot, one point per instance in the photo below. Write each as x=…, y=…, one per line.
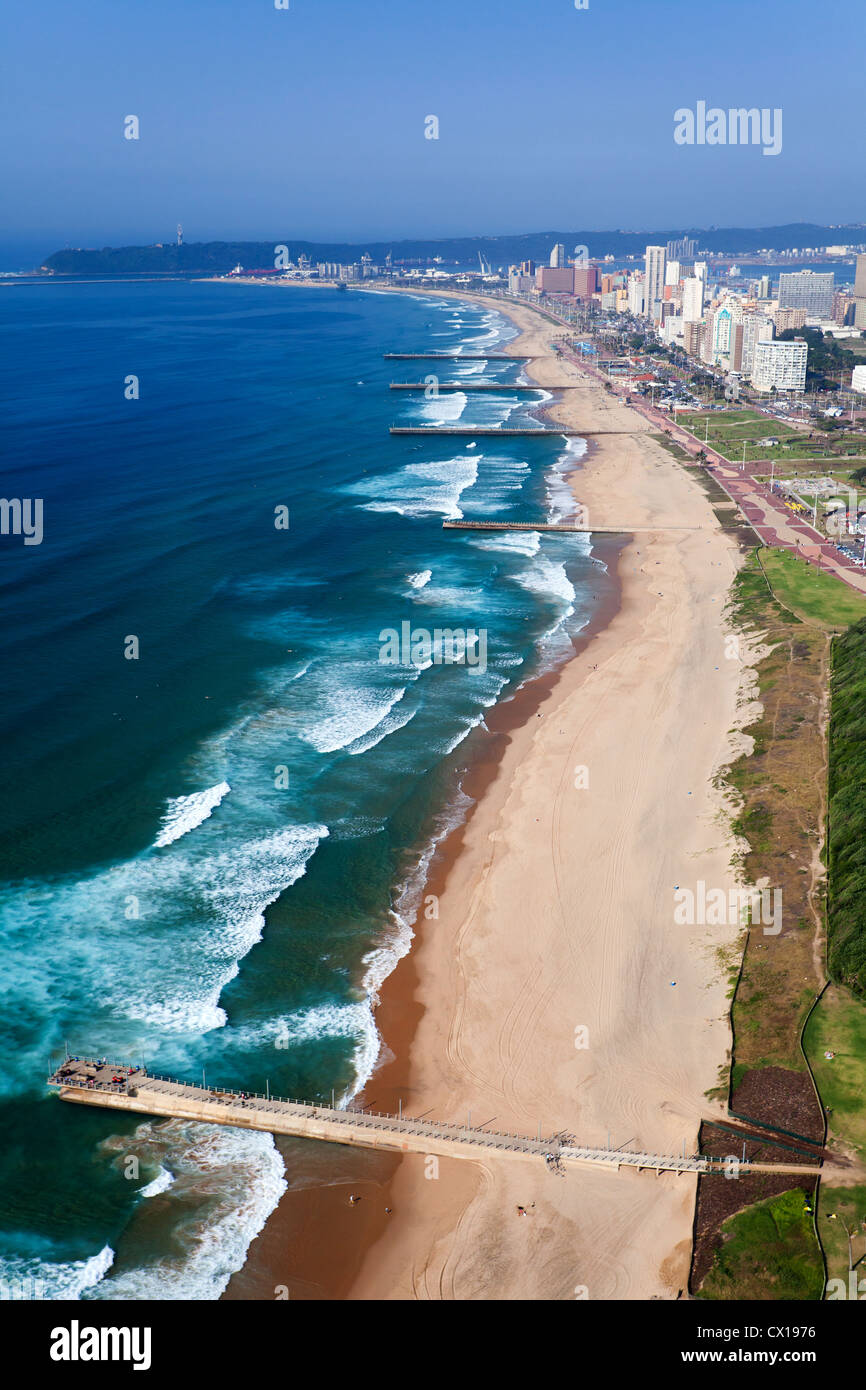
x=693, y=299
x=654, y=281
x=782, y=365
x=672, y=272
x=636, y=293
x=757, y=328
x=858, y=378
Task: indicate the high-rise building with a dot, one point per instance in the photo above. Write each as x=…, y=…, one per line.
x=672, y=273
x=654, y=281
x=555, y=279
x=843, y=308
x=671, y=329
x=636, y=293
x=858, y=378
x=789, y=318
x=807, y=289
x=585, y=280
x=757, y=328
x=692, y=336
x=781, y=365
x=518, y=283
x=764, y=287
x=557, y=256
x=693, y=299
x=723, y=327
x=860, y=293
x=683, y=250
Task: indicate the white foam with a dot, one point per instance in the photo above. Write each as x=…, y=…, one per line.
x=233, y=889
x=561, y=505
x=37, y=1279
x=356, y=712
x=444, y=409
x=420, y=579
x=406, y=904
x=525, y=543
x=184, y=813
x=548, y=578
x=161, y=1183
x=239, y=1176
x=420, y=489
x=394, y=720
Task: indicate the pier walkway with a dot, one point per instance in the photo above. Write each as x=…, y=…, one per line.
x=505, y=387
x=456, y=357
x=132, y=1089
x=531, y=432
x=567, y=527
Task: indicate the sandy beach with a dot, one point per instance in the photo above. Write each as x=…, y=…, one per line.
x=555, y=988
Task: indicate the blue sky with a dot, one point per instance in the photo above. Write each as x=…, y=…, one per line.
x=263, y=123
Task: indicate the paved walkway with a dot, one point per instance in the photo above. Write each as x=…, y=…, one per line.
x=131, y=1089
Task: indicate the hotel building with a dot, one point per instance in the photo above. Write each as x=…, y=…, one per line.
x=780, y=365
x=807, y=289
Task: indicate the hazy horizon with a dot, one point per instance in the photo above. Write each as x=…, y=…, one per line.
x=314, y=119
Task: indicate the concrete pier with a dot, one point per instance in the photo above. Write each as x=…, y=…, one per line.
x=133, y=1090
x=506, y=387
x=476, y=432
x=532, y=432
x=564, y=527
x=455, y=357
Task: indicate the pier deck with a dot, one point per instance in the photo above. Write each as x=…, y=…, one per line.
x=133, y=1090
x=566, y=527
x=504, y=386
x=456, y=357
x=532, y=432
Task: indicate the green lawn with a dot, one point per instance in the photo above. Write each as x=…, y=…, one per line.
x=730, y=428
x=838, y=1025
x=809, y=593
x=768, y=1252
x=849, y=1205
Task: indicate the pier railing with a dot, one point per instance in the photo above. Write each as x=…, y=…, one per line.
x=140, y=1092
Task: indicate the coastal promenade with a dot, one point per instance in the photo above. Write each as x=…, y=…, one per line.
x=760, y=506
x=100, y=1083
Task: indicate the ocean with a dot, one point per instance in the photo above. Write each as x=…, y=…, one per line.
x=220, y=803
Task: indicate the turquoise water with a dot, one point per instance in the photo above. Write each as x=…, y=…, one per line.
x=211, y=854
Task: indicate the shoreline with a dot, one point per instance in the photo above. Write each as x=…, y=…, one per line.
x=338, y=1237
x=417, y=1000
x=316, y=1215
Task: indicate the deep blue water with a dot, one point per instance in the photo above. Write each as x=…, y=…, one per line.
x=210, y=854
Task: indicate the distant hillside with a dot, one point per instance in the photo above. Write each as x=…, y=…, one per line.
x=217, y=257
